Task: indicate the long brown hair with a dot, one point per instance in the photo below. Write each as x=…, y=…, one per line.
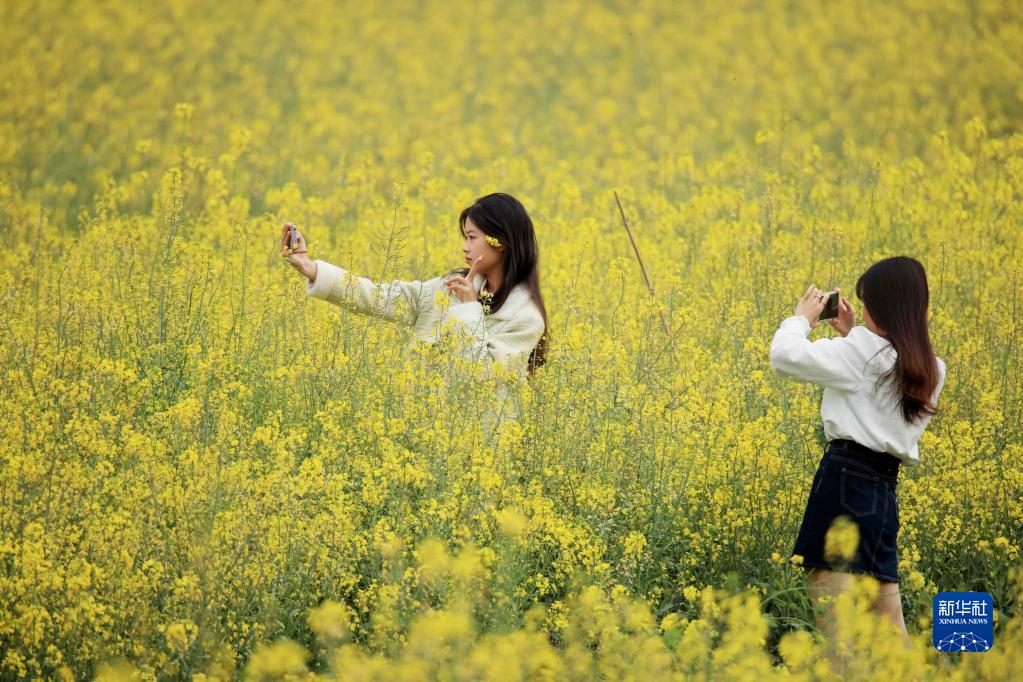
x=504, y=217
x=894, y=291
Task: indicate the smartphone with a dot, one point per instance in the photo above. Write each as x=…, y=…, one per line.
x=830, y=307
x=294, y=237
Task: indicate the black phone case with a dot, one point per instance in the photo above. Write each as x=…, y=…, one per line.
x=830, y=308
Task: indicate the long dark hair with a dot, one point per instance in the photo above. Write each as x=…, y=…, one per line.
x=894, y=291
x=504, y=217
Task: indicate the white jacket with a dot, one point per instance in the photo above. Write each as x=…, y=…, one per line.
x=507, y=336
x=854, y=406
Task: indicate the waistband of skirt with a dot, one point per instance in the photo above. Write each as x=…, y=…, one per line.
x=881, y=462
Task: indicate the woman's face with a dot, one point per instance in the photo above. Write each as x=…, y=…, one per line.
x=475, y=245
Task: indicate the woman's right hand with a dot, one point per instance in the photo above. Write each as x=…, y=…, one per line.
x=298, y=257
x=811, y=305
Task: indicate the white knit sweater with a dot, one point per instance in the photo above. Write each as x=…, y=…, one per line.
x=507, y=336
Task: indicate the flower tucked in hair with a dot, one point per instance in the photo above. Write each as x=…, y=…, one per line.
x=493, y=241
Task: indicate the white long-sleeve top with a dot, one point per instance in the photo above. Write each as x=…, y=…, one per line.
x=854, y=406
x=507, y=336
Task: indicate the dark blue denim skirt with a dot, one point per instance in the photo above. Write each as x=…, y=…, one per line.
x=859, y=483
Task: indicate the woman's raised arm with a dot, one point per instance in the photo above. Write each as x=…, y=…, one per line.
x=398, y=301
x=828, y=362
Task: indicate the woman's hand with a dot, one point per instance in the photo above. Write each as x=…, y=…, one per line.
x=811, y=305
x=298, y=257
x=846, y=319
x=461, y=286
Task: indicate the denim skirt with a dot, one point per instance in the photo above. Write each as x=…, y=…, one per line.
x=858, y=483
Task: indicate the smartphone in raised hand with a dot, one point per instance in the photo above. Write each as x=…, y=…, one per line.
x=830, y=307
x=293, y=232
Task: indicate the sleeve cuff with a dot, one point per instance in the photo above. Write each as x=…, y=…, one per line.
x=327, y=276
x=797, y=322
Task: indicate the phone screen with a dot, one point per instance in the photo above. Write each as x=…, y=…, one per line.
x=830, y=307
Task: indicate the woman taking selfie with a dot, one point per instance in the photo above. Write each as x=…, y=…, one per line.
x=881, y=384
x=494, y=304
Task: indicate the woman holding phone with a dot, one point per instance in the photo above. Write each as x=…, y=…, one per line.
x=881, y=384
x=494, y=304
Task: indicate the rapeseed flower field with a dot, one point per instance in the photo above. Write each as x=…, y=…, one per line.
x=207, y=475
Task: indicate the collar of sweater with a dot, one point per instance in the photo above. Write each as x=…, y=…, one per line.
x=518, y=298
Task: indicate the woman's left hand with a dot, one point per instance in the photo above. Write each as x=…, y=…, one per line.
x=811, y=305
x=461, y=285
x=846, y=318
